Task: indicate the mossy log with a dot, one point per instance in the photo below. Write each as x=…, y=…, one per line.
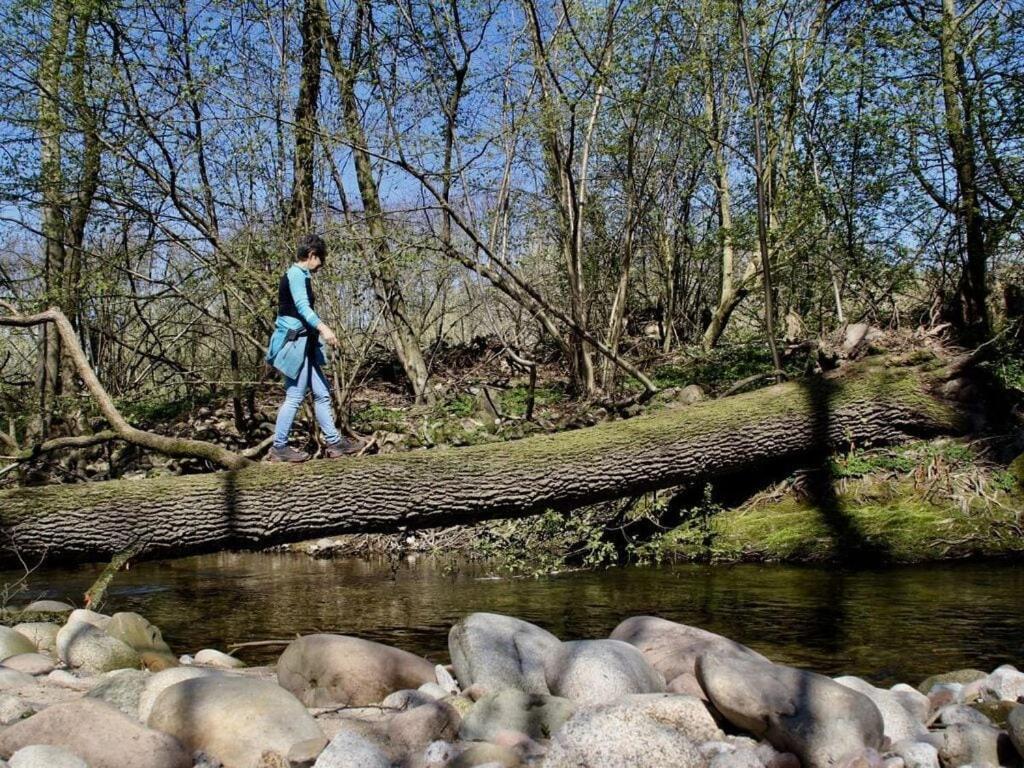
x=873, y=403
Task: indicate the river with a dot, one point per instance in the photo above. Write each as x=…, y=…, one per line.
x=887, y=625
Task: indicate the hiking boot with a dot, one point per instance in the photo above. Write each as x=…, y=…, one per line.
x=345, y=447
x=287, y=453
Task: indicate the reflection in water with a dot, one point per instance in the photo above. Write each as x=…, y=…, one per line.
x=888, y=625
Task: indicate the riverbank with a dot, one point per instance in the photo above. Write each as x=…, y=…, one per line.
x=102, y=691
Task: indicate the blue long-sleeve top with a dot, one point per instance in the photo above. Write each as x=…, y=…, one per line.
x=297, y=277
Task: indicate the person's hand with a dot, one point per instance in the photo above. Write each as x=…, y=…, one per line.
x=327, y=334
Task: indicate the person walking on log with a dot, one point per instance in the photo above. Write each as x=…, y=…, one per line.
x=296, y=351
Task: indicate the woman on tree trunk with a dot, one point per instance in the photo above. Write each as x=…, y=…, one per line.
x=296, y=351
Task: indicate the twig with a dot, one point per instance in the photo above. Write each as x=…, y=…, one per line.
x=750, y=380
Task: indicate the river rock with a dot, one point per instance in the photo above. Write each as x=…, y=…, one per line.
x=42, y=634
x=953, y=714
x=687, y=715
x=30, y=663
x=406, y=699
x=161, y=681
x=12, y=679
x=83, y=645
x=48, y=606
x=816, y=718
x=916, y=754
x=444, y=679
x=210, y=657
x=600, y=671
x=1015, y=727
x=98, y=733
x=13, y=643
x=480, y=755
x=233, y=719
x=672, y=649
x=959, y=676
x=46, y=756
x=158, y=662
x=597, y=737
x=501, y=652
x=322, y=670
x=415, y=729
x=122, y=689
x=136, y=631
x=85, y=616
x=349, y=749
x=915, y=702
x=534, y=714
x=970, y=743
x=13, y=709
x=1006, y=683
x=738, y=758
x=898, y=722
x=67, y=679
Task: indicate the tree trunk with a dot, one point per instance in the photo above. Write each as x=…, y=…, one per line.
x=386, y=284
x=306, y=126
x=872, y=403
x=51, y=181
x=960, y=135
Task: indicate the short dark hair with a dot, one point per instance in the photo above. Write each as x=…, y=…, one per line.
x=313, y=243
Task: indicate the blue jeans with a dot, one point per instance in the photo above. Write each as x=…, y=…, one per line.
x=294, y=394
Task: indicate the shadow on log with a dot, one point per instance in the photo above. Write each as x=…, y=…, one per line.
x=874, y=402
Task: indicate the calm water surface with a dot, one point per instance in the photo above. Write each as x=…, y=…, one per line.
x=894, y=625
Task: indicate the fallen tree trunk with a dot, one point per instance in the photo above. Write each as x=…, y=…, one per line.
x=873, y=403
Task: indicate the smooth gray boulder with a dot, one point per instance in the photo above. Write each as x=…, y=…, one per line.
x=160, y=681
x=898, y=722
x=234, y=719
x=46, y=756
x=600, y=671
x=1015, y=727
x=618, y=737
x=122, y=689
x=673, y=648
x=48, y=606
x=98, y=733
x=30, y=663
x=12, y=679
x=506, y=709
x=13, y=709
x=137, y=632
x=84, y=615
x=1006, y=683
x=497, y=651
x=322, y=670
x=349, y=749
x=414, y=729
x=82, y=645
x=817, y=719
x=915, y=702
x=953, y=714
x=211, y=657
x=407, y=699
x=14, y=643
x=687, y=715
x=956, y=677
x=42, y=634
x=916, y=754
x=970, y=743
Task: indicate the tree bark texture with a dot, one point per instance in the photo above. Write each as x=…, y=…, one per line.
x=274, y=503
